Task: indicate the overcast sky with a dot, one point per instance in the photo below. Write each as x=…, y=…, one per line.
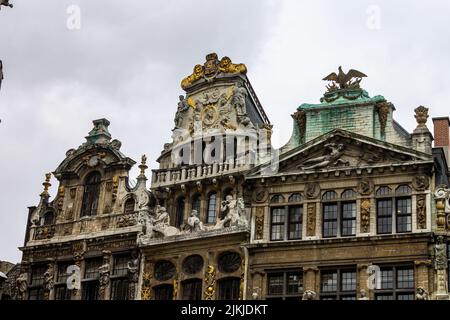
x=127, y=59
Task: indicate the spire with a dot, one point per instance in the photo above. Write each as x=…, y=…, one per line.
x=100, y=133
x=46, y=185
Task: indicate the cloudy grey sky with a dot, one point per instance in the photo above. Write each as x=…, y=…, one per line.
x=127, y=59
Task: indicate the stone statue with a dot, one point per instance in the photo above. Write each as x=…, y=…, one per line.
x=440, y=254
x=309, y=295
x=363, y=295
x=344, y=80
x=6, y=4
x=238, y=99
x=182, y=107
x=232, y=213
x=22, y=285
x=421, y=294
x=133, y=268
x=335, y=151
x=48, y=277
x=157, y=226
x=105, y=269
x=193, y=223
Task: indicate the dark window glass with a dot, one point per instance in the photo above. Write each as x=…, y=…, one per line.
x=229, y=288
x=62, y=275
x=129, y=206
x=119, y=289
x=329, y=195
x=192, y=264
x=397, y=283
x=164, y=270
x=384, y=216
x=192, y=289
x=36, y=294
x=62, y=293
x=294, y=284
x=330, y=219
x=295, y=197
x=277, y=224
x=120, y=266
x=348, y=194
x=278, y=198
x=196, y=203
x=295, y=222
x=49, y=218
x=338, y=284
x=163, y=292
x=212, y=200
x=348, y=219
x=383, y=191
x=91, y=194
x=179, y=219
x=403, y=189
x=276, y=282
x=91, y=268
x=229, y=261
x=37, y=275
x=404, y=214
x=89, y=290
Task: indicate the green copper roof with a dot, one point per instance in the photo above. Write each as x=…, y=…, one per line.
x=344, y=97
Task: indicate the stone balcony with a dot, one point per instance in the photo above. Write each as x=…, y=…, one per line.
x=167, y=177
x=86, y=227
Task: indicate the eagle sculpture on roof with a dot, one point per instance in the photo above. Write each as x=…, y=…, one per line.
x=344, y=80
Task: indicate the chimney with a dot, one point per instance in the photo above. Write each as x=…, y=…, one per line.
x=441, y=135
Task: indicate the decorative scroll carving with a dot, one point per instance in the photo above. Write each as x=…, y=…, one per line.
x=421, y=211
x=420, y=182
x=115, y=186
x=126, y=220
x=61, y=193
x=300, y=118
x=312, y=190
x=210, y=283
x=104, y=273
x=44, y=232
x=260, y=195
x=365, y=215
x=49, y=280
x=259, y=223
x=311, y=220
x=383, y=109
x=365, y=187
x=146, y=290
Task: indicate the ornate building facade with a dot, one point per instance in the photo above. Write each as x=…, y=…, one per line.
x=352, y=207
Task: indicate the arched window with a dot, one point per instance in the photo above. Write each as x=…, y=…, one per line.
x=383, y=191
x=196, y=202
x=212, y=199
x=278, y=198
x=192, y=264
x=295, y=197
x=229, y=288
x=49, y=218
x=129, y=206
x=348, y=194
x=179, y=219
x=164, y=270
x=192, y=289
x=229, y=261
x=403, y=189
x=329, y=195
x=163, y=292
x=91, y=194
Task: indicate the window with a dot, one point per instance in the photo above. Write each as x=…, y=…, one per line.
x=192, y=289
x=196, y=203
x=277, y=224
x=211, y=217
x=229, y=261
x=36, y=289
x=163, y=292
x=278, y=198
x=397, y=283
x=49, y=218
x=90, y=283
x=390, y=207
x=338, y=284
x=119, y=279
x=61, y=290
x=295, y=222
x=179, y=219
x=129, y=206
x=339, y=217
x=164, y=270
x=91, y=194
x=229, y=288
x=192, y=264
x=284, y=285
x=295, y=197
x=119, y=289
x=120, y=266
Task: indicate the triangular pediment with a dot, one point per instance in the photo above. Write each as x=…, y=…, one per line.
x=340, y=149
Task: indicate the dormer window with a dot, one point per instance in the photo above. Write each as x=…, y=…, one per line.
x=49, y=218
x=91, y=194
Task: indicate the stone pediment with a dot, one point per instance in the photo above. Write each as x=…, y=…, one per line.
x=340, y=149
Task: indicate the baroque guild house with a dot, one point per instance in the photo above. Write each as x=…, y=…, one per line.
x=352, y=207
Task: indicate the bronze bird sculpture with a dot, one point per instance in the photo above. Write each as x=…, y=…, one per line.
x=344, y=80
x=5, y=3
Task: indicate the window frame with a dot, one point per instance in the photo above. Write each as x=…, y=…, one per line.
x=395, y=291
x=339, y=202
x=339, y=293
x=393, y=197
x=210, y=219
x=284, y=295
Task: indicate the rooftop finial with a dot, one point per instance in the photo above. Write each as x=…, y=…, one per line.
x=46, y=184
x=143, y=166
x=100, y=133
x=344, y=80
x=421, y=116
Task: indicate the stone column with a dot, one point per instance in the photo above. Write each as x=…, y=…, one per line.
x=362, y=278
x=421, y=274
x=310, y=282
x=104, y=276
